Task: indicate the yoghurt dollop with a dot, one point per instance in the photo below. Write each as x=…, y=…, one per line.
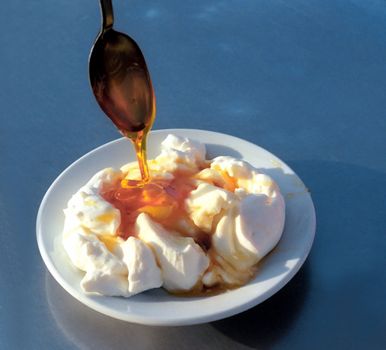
x=202, y=225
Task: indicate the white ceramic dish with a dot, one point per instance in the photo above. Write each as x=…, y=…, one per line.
x=156, y=307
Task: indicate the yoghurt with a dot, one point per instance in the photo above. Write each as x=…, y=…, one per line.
x=212, y=224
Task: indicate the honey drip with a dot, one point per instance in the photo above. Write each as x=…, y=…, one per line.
x=138, y=140
x=162, y=199
x=137, y=132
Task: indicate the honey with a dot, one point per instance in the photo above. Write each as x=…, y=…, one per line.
x=162, y=199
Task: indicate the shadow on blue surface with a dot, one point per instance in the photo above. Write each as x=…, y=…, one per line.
x=269, y=322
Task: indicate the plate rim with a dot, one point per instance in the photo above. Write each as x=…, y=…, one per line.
x=89, y=301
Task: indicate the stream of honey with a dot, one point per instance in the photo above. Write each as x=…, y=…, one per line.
x=162, y=199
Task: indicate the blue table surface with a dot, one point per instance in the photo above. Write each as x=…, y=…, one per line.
x=304, y=79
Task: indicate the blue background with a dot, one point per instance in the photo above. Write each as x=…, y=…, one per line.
x=304, y=79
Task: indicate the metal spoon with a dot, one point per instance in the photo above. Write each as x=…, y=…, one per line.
x=121, y=84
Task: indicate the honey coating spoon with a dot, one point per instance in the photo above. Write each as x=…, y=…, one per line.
x=122, y=86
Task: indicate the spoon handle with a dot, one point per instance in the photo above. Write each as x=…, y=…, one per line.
x=107, y=14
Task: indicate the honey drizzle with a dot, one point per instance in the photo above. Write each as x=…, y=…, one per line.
x=140, y=150
x=138, y=139
x=163, y=200
x=135, y=117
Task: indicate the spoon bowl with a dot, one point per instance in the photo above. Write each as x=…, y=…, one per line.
x=121, y=84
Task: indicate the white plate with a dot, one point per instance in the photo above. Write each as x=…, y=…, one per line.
x=156, y=307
